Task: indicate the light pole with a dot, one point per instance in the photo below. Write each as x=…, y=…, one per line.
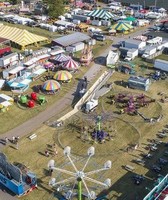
x=80, y=175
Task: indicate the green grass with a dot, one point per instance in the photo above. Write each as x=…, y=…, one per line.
x=162, y=57
x=129, y=130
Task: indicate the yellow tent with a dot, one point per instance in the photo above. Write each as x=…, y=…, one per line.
x=20, y=36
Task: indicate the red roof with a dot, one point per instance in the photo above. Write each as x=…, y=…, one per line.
x=3, y=40
x=163, y=21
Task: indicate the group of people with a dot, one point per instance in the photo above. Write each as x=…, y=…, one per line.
x=14, y=140
x=55, y=152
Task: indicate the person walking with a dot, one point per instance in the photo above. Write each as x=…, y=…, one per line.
x=6, y=140
x=55, y=151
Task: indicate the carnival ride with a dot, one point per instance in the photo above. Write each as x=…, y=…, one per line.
x=87, y=55
x=17, y=178
x=129, y=103
x=97, y=134
x=79, y=176
x=29, y=101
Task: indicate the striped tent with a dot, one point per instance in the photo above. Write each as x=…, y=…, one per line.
x=51, y=85
x=62, y=58
x=63, y=75
x=101, y=14
x=20, y=36
x=122, y=26
x=71, y=65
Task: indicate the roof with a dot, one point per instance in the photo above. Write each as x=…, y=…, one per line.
x=63, y=23
x=133, y=41
x=71, y=39
x=16, y=70
x=102, y=14
x=138, y=79
x=3, y=40
x=20, y=36
x=163, y=61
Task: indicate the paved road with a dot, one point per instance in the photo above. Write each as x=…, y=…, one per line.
x=35, y=122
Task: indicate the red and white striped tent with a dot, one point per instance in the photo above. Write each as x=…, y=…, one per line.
x=62, y=58
x=71, y=65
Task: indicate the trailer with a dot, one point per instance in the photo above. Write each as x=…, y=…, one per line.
x=112, y=59
x=90, y=105
x=149, y=51
x=9, y=60
x=139, y=82
x=82, y=18
x=17, y=178
x=134, y=44
x=161, y=64
x=131, y=54
x=155, y=41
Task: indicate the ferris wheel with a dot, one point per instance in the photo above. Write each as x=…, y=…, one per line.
x=78, y=180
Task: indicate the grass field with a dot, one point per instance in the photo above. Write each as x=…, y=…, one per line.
x=129, y=130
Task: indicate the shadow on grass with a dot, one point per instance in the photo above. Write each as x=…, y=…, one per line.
x=101, y=60
x=43, y=154
x=12, y=147
x=76, y=93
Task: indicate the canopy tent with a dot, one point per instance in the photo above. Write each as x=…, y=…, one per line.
x=71, y=65
x=62, y=75
x=48, y=65
x=131, y=19
x=62, y=58
x=51, y=85
x=20, y=36
x=121, y=26
x=101, y=14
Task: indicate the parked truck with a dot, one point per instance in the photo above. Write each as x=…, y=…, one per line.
x=90, y=105
x=149, y=51
x=161, y=64
x=131, y=54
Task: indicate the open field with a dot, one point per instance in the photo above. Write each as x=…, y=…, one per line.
x=129, y=130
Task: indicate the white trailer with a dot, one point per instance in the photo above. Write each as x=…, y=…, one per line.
x=134, y=44
x=90, y=105
x=78, y=46
x=161, y=64
x=112, y=58
x=10, y=59
x=155, y=41
x=149, y=51
x=131, y=54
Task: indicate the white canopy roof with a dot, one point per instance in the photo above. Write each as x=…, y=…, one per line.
x=16, y=70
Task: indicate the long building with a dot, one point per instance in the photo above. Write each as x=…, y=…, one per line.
x=146, y=3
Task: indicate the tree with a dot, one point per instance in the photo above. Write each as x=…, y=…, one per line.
x=55, y=8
